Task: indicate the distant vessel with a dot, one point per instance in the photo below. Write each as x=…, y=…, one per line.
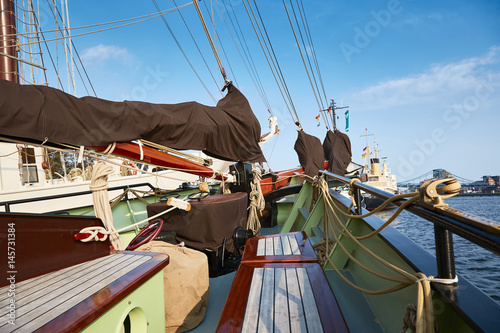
x=375, y=176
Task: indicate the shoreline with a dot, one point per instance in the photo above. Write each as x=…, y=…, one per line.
x=477, y=194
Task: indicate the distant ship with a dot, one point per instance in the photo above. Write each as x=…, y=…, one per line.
x=376, y=176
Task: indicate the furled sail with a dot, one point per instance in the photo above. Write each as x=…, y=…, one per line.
x=227, y=131
x=310, y=153
x=337, y=149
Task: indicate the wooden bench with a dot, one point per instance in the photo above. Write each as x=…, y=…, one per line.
x=94, y=296
x=55, y=283
x=291, y=247
x=291, y=295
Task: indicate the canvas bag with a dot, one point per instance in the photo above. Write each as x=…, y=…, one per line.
x=185, y=280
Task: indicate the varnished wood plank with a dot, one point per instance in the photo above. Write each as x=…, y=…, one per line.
x=281, y=310
x=302, y=250
x=29, y=288
x=294, y=246
x=251, y=317
x=63, y=288
x=40, y=311
x=329, y=310
x=287, y=250
x=311, y=313
x=266, y=311
x=297, y=316
x=278, y=247
x=269, y=247
x=261, y=247
x=231, y=319
x=90, y=308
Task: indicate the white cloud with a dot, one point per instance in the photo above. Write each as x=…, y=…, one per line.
x=100, y=53
x=442, y=83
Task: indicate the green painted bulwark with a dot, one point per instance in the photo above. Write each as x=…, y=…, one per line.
x=145, y=308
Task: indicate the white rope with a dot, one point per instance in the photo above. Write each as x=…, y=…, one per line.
x=257, y=202
x=438, y=280
x=102, y=208
x=93, y=231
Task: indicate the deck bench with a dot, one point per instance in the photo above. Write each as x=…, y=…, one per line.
x=93, y=296
x=280, y=292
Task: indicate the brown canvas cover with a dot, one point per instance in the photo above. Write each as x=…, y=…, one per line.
x=337, y=149
x=208, y=222
x=228, y=131
x=310, y=153
x=185, y=281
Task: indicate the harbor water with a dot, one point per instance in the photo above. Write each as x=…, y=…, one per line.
x=481, y=267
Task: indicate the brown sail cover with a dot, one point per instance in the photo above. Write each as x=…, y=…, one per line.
x=310, y=153
x=229, y=131
x=337, y=149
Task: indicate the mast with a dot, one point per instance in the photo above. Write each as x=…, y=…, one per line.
x=334, y=107
x=368, y=153
x=8, y=53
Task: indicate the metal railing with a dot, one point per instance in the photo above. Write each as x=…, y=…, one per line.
x=8, y=204
x=478, y=230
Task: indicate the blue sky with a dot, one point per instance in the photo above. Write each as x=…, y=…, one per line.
x=422, y=76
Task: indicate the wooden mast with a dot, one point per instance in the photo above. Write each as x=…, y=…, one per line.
x=8, y=53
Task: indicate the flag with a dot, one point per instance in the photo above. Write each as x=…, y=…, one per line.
x=317, y=117
x=365, y=148
x=329, y=109
x=319, y=123
x=364, y=155
x=347, y=121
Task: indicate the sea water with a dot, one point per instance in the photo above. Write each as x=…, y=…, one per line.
x=481, y=267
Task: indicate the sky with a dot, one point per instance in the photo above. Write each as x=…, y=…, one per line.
x=422, y=76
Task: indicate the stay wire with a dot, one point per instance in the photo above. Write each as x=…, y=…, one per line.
x=248, y=54
x=251, y=71
x=233, y=76
x=183, y=53
x=210, y=40
x=282, y=78
x=78, y=55
x=276, y=70
x=322, y=107
x=197, y=47
x=302, y=56
x=313, y=49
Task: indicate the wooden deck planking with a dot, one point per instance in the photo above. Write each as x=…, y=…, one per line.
x=23, y=287
x=266, y=308
x=250, y=320
x=55, y=299
x=281, y=311
x=295, y=304
x=312, y=315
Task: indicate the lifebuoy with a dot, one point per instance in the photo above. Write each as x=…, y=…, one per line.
x=128, y=168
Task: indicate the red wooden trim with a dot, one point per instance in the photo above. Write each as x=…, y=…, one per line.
x=328, y=307
x=231, y=319
x=83, y=314
x=156, y=157
x=283, y=179
x=306, y=250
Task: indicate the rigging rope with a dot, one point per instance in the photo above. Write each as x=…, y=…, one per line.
x=271, y=58
x=183, y=53
x=255, y=76
x=101, y=30
x=305, y=65
x=214, y=49
x=197, y=47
